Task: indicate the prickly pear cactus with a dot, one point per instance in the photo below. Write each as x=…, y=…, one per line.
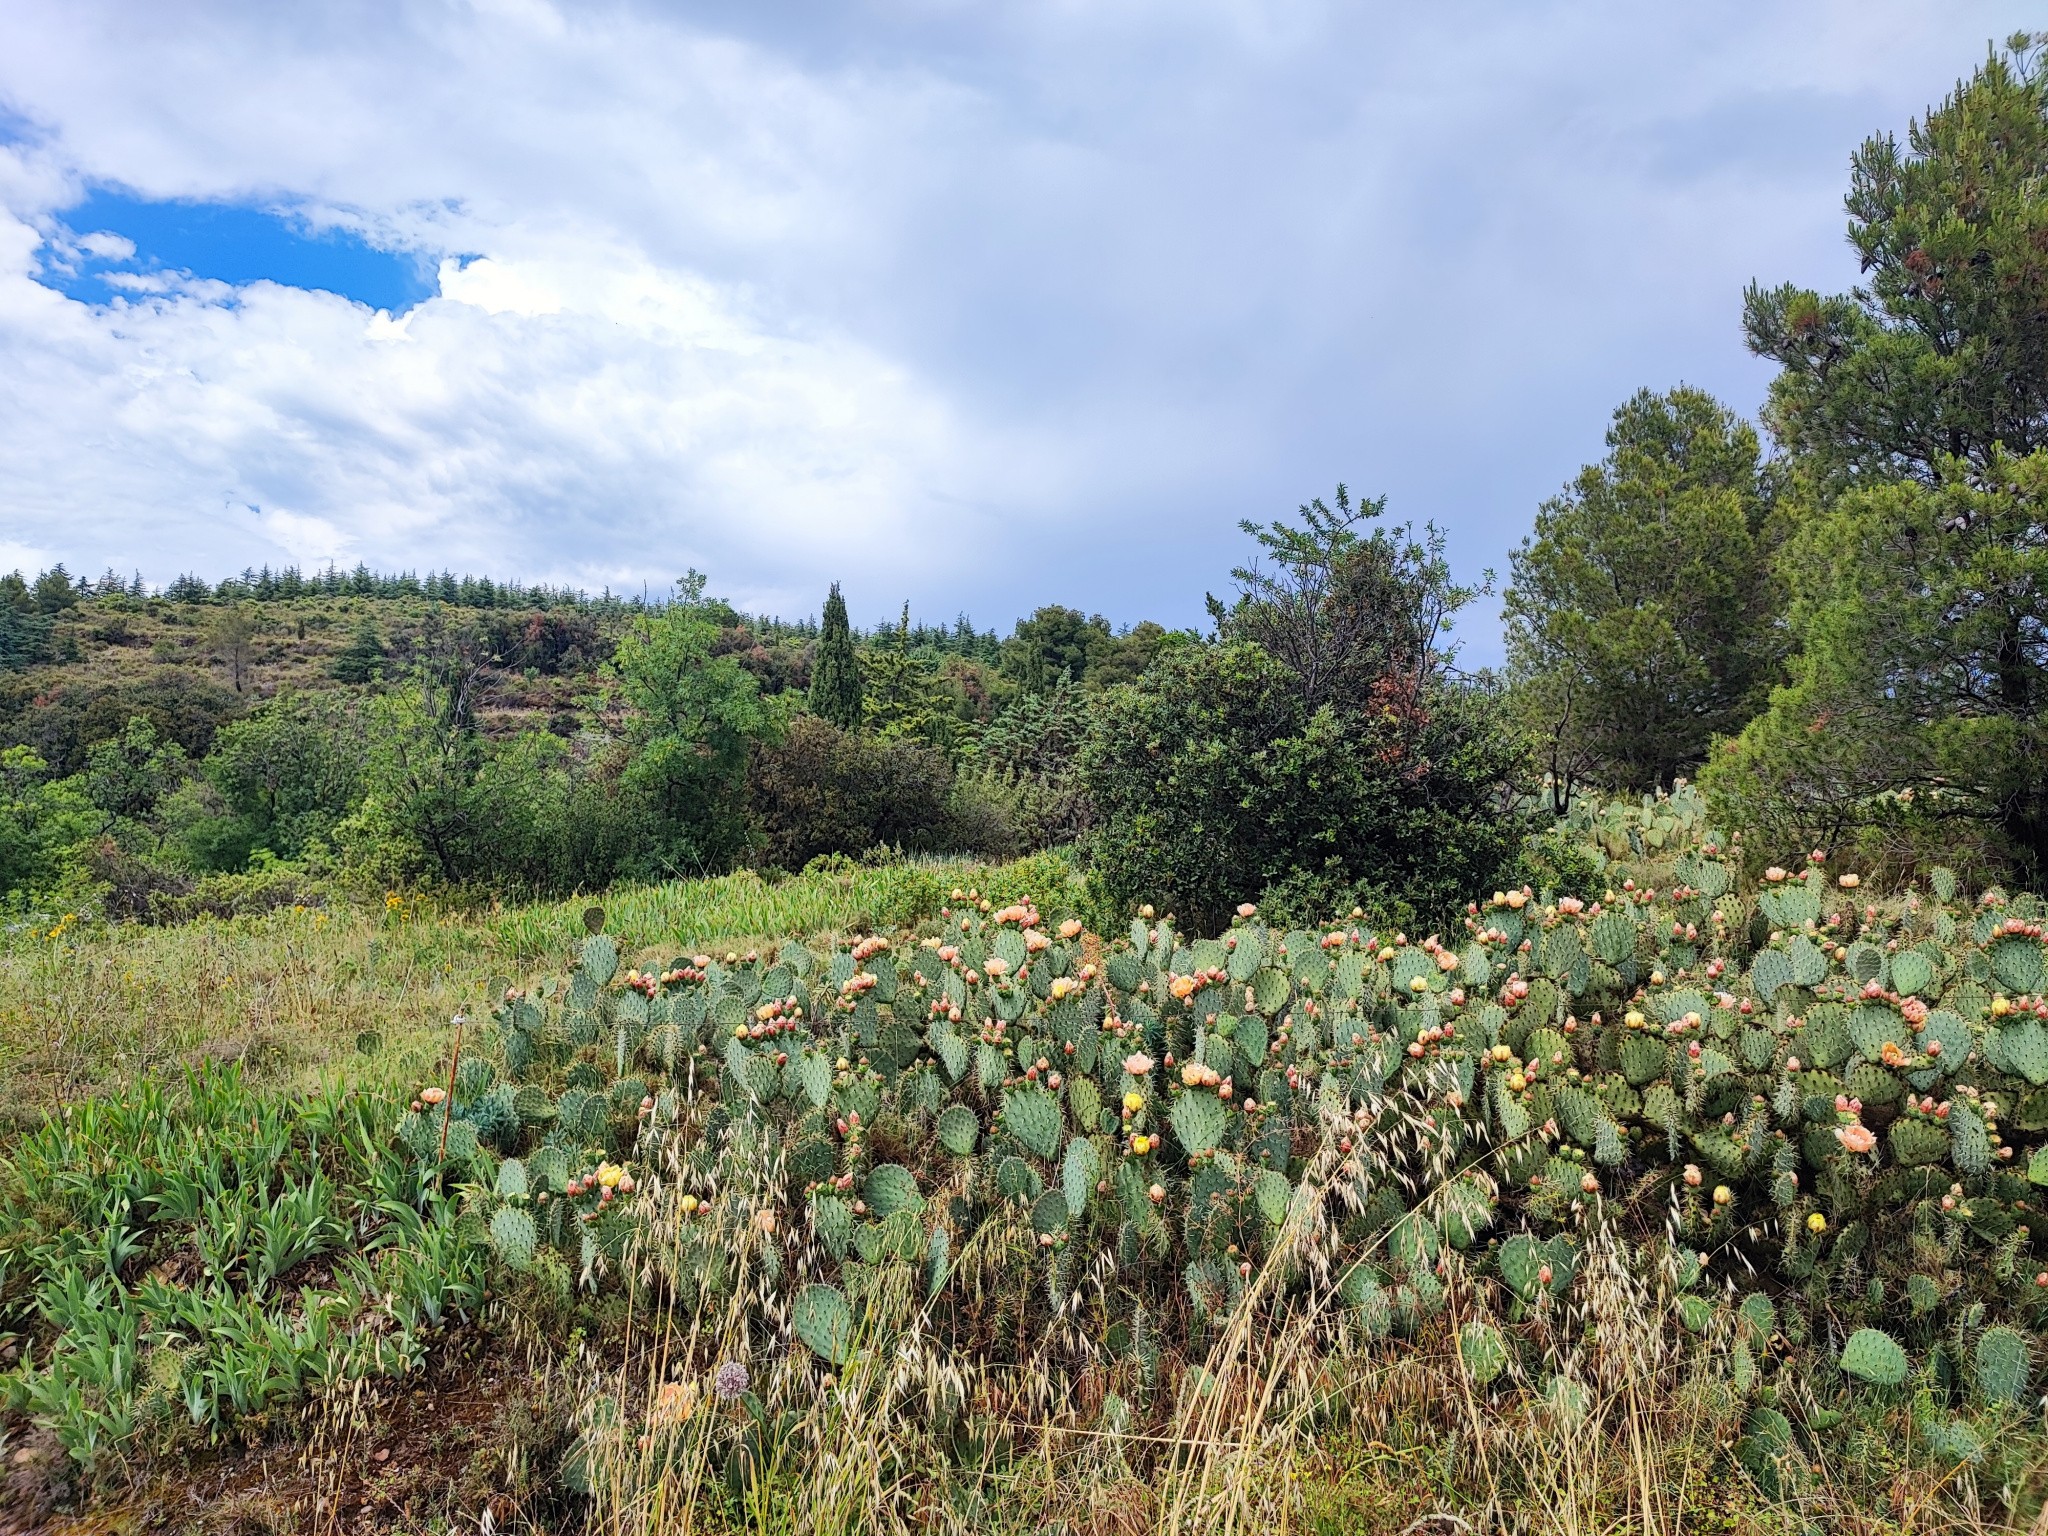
x=1831, y=1084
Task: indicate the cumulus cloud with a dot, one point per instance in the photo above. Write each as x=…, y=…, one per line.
x=986, y=306
x=592, y=419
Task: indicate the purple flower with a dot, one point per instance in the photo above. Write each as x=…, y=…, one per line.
x=730, y=1380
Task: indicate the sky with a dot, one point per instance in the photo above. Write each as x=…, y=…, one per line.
x=972, y=304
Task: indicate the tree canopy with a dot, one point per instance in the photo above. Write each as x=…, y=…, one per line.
x=1643, y=616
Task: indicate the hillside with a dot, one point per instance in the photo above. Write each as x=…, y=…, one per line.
x=190, y=667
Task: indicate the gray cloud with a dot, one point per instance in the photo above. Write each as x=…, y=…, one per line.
x=984, y=305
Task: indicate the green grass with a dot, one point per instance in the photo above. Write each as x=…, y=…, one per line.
x=208, y=1261
x=291, y=994
x=744, y=908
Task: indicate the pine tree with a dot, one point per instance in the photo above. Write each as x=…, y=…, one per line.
x=362, y=660
x=835, y=675
x=1914, y=415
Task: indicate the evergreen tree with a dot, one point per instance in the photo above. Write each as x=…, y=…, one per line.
x=1055, y=644
x=1642, y=621
x=835, y=674
x=1916, y=413
x=362, y=660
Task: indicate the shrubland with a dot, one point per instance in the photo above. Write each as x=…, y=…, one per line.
x=1568, y=1214
x=480, y=1053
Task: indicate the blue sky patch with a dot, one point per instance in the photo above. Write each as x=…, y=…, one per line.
x=231, y=243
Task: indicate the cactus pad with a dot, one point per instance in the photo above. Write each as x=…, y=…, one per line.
x=958, y=1129
x=1770, y=970
x=1917, y=1142
x=1874, y=1356
x=1483, y=1351
x=1911, y=973
x=513, y=1236
x=1080, y=1169
x=1808, y=960
x=823, y=1321
x=2025, y=1049
x=2016, y=962
x=2000, y=1367
x=1642, y=1059
x=1198, y=1120
x=1874, y=1085
x=891, y=1188
x=1033, y=1116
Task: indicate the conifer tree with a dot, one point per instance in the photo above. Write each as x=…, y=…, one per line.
x=835, y=675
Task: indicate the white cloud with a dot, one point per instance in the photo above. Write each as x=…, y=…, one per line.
x=642, y=431
x=991, y=305
x=107, y=246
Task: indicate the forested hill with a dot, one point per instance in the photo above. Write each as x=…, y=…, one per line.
x=79, y=659
x=506, y=737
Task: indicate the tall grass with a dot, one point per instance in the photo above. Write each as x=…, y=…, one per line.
x=745, y=907
x=299, y=995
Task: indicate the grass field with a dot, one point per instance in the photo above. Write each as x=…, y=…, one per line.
x=294, y=993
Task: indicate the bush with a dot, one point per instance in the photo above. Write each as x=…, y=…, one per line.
x=823, y=790
x=1213, y=780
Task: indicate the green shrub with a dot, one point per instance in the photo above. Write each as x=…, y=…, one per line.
x=1213, y=780
x=822, y=790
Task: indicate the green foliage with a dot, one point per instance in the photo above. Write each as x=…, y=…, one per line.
x=1915, y=412
x=44, y=825
x=1642, y=614
x=1213, y=780
x=119, y=1358
x=692, y=715
x=835, y=671
x=280, y=778
x=820, y=790
x=1056, y=646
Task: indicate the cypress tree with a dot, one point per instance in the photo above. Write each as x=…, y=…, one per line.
x=835, y=675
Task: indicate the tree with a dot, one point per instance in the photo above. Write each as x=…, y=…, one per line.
x=43, y=824
x=362, y=659
x=835, y=674
x=821, y=790
x=691, y=715
x=1213, y=782
x=1918, y=705
x=288, y=772
x=126, y=775
x=905, y=696
x=24, y=630
x=1917, y=412
x=1643, y=616
x=1054, y=643
x=1944, y=355
x=231, y=634
x=56, y=591
x=1324, y=749
x=1126, y=657
x=1344, y=612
